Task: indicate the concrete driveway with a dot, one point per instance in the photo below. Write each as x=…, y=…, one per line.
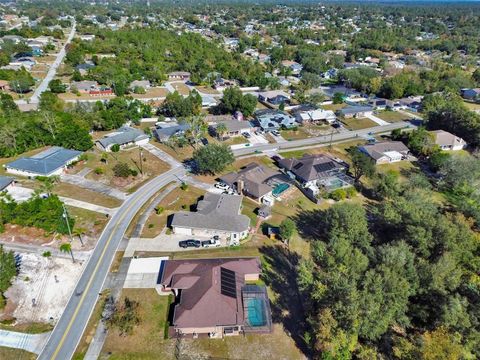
x=29, y=342
x=163, y=243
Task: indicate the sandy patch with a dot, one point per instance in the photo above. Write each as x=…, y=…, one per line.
x=50, y=281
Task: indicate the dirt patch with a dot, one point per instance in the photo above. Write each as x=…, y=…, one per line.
x=49, y=281
x=28, y=235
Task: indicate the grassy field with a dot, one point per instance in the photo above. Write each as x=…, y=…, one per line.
x=181, y=88
x=151, y=167
x=334, y=107
x=358, y=123
x=392, y=116
x=10, y=354
x=471, y=106
x=176, y=200
x=297, y=134
x=76, y=192
x=235, y=140
x=154, y=92
x=92, y=223
x=207, y=90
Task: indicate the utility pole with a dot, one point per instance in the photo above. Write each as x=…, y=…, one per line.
x=65, y=216
x=331, y=139
x=141, y=160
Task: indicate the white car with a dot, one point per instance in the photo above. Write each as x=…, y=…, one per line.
x=222, y=186
x=211, y=243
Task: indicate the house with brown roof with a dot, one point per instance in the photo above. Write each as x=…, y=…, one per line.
x=254, y=180
x=179, y=75
x=213, y=297
x=447, y=141
x=386, y=152
x=217, y=214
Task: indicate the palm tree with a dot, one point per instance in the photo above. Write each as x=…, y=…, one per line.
x=67, y=248
x=198, y=128
x=47, y=184
x=78, y=231
x=221, y=130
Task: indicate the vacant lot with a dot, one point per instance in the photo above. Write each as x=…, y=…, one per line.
x=207, y=90
x=176, y=200
x=88, y=223
x=181, y=88
x=393, y=116
x=334, y=107
x=471, y=106
x=154, y=92
x=8, y=353
x=76, y=192
x=358, y=123
x=102, y=164
x=297, y=134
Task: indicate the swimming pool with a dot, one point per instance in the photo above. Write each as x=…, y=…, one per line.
x=255, y=312
x=280, y=188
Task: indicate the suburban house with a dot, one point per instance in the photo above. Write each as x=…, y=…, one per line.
x=448, y=141
x=294, y=66
x=255, y=181
x=6, y=183
x=310, y=114
x=52, y=161
x=378, y=104
x=124, y=137
x=208, y=101
x=233, y=127
x=213, y=297
x=413, y=104
x=164, y=132
x=144, y=84
x=317, y=171
x=217, y=214
x=179, y=75
x=91, y=88
x=386, y=152
x=355, y=111
x=87, y=37
x=470, y=94
x=83, y=68
x=269, y=120
x=274, y=97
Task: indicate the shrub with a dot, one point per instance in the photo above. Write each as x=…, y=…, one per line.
x=133, y=172
x=115, y=148
x=350, y=192
x=184, y=186
x=121, y=170
x=47, y=254
x=159, y=210
x=98, y=171
x=338, y=194
x=150, y=226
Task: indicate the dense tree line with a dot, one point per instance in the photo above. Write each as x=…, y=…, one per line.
x=401, y=281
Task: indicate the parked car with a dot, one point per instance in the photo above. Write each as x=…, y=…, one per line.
x=276, y=158
x=229, y=192
x=275, y=133
x=247, y=135
x=211, y=243
x=221, y=186
x=189, y=243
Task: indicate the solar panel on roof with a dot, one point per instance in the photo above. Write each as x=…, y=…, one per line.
x=228, y=283
x=325, y=166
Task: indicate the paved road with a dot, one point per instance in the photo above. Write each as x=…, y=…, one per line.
x=18, y=340
x=35, y=99
x=69, y=329
x=321, y=139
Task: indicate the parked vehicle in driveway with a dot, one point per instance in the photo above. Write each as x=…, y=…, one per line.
x=246, y=135
x=211, y=243
x=221, y=186
x=189, y=243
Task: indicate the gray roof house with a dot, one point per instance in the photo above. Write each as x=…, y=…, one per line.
x=5, y=182
x=254, y=180
x=144, y=84
x=234, y=127
x=448, y=141
x=274, y=119
x=124, y=137
x=164, y=132
x=47, y=163
x=355, y=111
x=386, y=152
x=217, y=214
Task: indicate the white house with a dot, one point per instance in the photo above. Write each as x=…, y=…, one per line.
x=447, y=141
x=124, y=137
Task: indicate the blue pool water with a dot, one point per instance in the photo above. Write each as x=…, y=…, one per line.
x=256, y=312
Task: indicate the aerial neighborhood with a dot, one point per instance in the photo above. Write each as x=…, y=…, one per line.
x=238, y=179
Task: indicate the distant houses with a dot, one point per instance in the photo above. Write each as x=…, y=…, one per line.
x=386, y=152
x=216, y=297
x=294, y=66
x=217, y=214
x=124, y=137
x=52, y=161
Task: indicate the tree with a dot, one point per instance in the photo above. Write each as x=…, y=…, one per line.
x=197, y=129
x=362, y=164
x=8, y=270
x=22, y=82
x=221, y=130
x=287, y=229
x=338, y=98
x=115, y=148
x=56, y=86
x=440, y=344
x=213, y=158
x=476, y=75
x=67, y=248
x=125, y=317
x=233, y=100
x=121, y=169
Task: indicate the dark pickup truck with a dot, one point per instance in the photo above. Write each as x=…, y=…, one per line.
x=189, y=243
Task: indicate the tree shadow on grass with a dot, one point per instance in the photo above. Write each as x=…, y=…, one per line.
x=279, y=273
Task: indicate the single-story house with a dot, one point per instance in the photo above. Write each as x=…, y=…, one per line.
x=234, y=127
x=6, y=183
x=91, y=88
x=448, y=141
x=294, y=66
x=124, y=137
x=378, y=104
x=217, y=214
x=274, y=97
x=470, y=94
x=386, y=152
x=355, y=111
x=269, y=120
x=144, y=84
x=254, y=180
x=313, y=115
x=208, y=101
x=52, y=161
x=212, y=297
x=83, y=68
x=179, y=75
x=87, y=37
x=314, y=171
x=165, y=131
x=413, y=104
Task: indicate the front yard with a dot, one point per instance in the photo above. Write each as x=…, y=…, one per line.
x=393, y=116
x=358, y=123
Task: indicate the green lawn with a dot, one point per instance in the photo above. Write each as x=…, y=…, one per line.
x=393, y=116
x=471, y=106
x=297, y=134
x=358, y=123
x=10, y=354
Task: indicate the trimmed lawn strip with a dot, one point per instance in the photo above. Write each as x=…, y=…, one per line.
x=29, y=328
x=9, y=353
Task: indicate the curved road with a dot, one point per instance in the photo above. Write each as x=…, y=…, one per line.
x=68, y=331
